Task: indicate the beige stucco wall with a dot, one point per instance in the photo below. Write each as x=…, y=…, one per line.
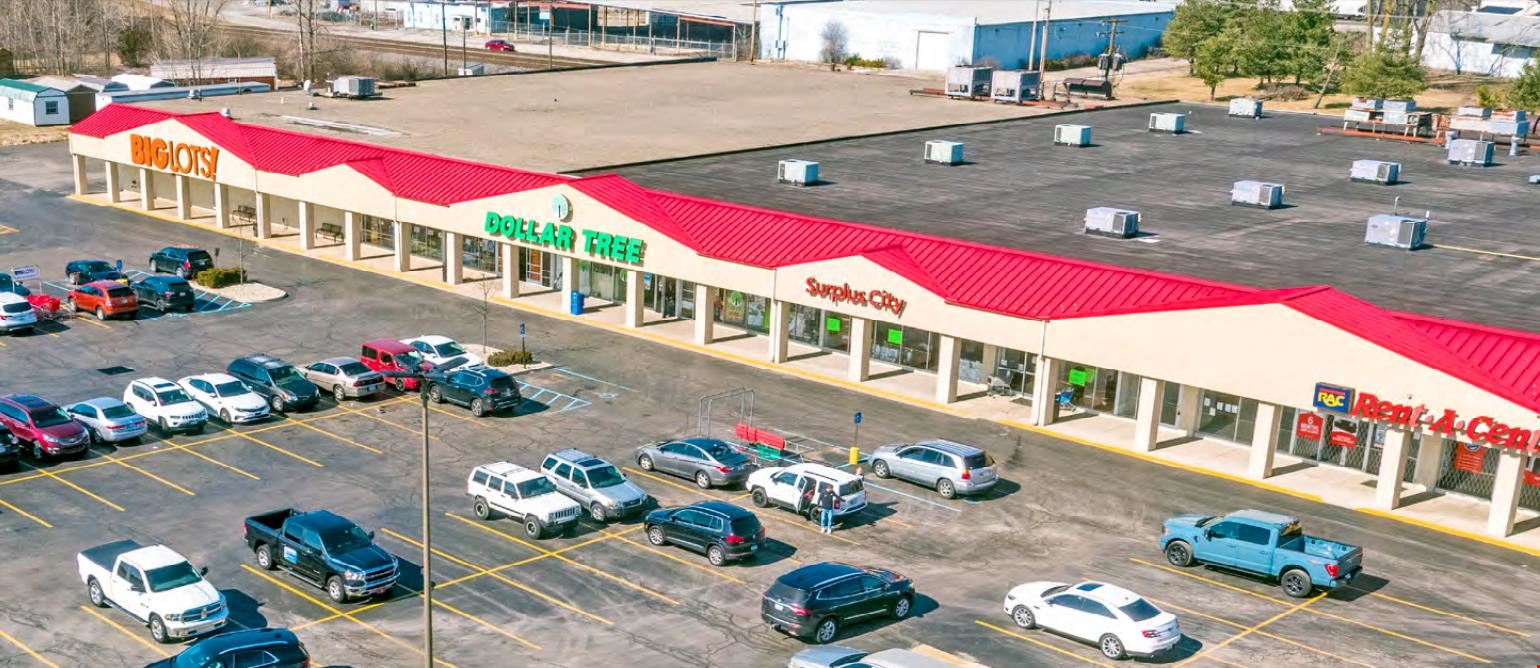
x=230, y=170
x=1268, y=352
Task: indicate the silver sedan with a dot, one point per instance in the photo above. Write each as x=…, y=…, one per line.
x=344, y=377
x=108, y=420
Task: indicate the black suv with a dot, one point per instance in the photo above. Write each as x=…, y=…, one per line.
x=184, y=262
x=164, y=293
x=268, y=648
x=278, y=381
x=81, y=272
x=814, y=600
x=723, y=531
x=479, y=388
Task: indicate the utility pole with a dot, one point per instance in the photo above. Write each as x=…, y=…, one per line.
x=754, y=35
x=1042, y=58
x=1112, y=47
x=464, y=63
x=443, y=22
x=1037, y=7
x=427, y=538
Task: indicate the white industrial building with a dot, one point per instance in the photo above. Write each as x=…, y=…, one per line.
x=263, y=69
x=937, y=34
x=1482, y=42
x=31, y=104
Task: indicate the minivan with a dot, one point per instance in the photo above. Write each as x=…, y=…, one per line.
x=284, y=387
x=950, y=468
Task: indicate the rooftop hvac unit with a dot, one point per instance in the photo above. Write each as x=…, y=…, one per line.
x=1403, y=105
x=1472, y=123
x=1072, y=135
x=1398, y=231
x=1368, y=103
x=1013, y=86
x=1509, y=115
x=1375, y=171
x=1470, y=152
x=1257, y=193
x=1474, y=112
x=1503, y=126
x=1078, y=86
x=1357, y=115
x=351, y=86
x=797, y=172
x=1172, y=123
x=1416, y=119
x=944, y=152
x=1111, y=222
x=965, y=81
x=1246, y=107
x=473, y=70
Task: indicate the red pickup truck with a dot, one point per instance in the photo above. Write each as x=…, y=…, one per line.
x=392, y=355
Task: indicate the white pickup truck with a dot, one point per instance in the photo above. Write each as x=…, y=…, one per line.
x=155, y=585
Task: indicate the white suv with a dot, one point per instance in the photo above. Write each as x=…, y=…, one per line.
x=226, y=396
x=440, y=349
x=509, y=489
x=789, y=487
x=16, y=314
x=165, y=405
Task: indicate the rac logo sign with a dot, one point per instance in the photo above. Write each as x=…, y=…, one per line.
x=1333, y=398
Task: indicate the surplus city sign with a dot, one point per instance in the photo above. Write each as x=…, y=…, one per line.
x=843, y=293
x=200, y=161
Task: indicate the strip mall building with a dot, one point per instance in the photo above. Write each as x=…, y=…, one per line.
x=1281, y=379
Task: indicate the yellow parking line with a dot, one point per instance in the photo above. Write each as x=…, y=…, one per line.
x=1265, y=634
x=687, y=488
x=485, y=623
x=1039, y=643
x=339, y=437
x=805, y=527
x=146, y=474
x=216, y=462
x=1251, y=629
x=136, y=637
x=80, y=489
x=339, y=613
x=1265, y=597
x=81, y=318
x=1445, y=613
x=697, y=491
x=24, y=513
x=392, y=423
x=23, y=647
x=564, y=559
x=270, y=446
x=457, y=416
x=714, y=571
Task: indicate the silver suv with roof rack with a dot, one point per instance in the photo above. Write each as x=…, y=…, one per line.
x=597, y=485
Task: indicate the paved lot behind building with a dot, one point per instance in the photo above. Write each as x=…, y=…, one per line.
x=1020, y=190
x=600, y=596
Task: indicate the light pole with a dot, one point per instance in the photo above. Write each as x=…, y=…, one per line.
x=427, y=538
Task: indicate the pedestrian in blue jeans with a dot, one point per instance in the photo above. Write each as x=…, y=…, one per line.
x=827, y=502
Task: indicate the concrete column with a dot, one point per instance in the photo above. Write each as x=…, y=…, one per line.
x=264, y=226
x=569, y=274
x=352, y=236
x=1264, y=441
x=221, y=206
x=1430, y=460
x=78, y=163
x=633, y=298
x=1152, y=393
x=403, y=246
x=114, y=183
x=510, y=271
x=860, y=349
x=1188, y=408
x=780, y=323
x=990, y=360
x=1387, y=491
x=1043, y=387
x=183, y=197
x=146, y=190
x=1505, y=493
x=705, y=323
x=306, y=226
x=948, y=358
x=454, y=267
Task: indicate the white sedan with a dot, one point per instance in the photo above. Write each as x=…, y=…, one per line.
x=440, y=349
x=1115, y=619
x=226, y=396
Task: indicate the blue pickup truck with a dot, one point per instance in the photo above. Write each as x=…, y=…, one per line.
x=1261, y=543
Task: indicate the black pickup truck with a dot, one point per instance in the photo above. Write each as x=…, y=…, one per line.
x=323, y=549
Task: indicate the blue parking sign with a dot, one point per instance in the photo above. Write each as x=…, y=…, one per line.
x=858, y=417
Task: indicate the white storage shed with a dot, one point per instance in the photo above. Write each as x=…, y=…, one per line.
x=29, y=103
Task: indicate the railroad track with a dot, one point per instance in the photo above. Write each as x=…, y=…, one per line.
x=530, y=61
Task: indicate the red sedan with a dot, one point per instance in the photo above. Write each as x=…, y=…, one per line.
x=106, y=299
x=500, y=45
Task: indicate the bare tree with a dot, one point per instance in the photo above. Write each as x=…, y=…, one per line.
x=307, y=30
x=836, y=43
x=188, y=30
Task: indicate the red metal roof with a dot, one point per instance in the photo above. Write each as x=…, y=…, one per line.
x=1001, y=280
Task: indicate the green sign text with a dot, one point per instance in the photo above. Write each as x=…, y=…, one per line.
x=563, y=238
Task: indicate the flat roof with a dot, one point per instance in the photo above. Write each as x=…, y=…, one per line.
x=991, y=12
x=1018, y=190
x=736, y=11
x=574, y=120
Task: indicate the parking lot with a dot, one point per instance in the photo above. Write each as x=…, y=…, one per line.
x=601, y=595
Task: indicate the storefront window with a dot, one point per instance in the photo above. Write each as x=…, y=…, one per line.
x=805, y=324
x=479, y=254
x=836, y=332
x=1227, y=416
x=1096, y=389
x=742, y=309
x=904, y=346
x=970, y=365
x=1344, y=441
x=427, y=242
x=378, y=232
x=537, y=266
x=1017, y=370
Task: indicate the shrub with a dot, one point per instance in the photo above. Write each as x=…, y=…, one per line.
x=856, y=60
x=219, y=277
x=510, y=358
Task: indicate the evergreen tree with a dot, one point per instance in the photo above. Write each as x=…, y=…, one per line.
x=1524, y=93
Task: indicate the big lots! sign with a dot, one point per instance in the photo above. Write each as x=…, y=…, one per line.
x=200, y=161
x=839, y=294
x=1480, y=429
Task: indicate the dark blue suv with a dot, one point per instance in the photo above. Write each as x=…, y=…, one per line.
x=268, y=648
x=184, y=262
x=164, y=293
x=479, y=388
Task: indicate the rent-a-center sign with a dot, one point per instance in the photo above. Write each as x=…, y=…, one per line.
x=1480, y=429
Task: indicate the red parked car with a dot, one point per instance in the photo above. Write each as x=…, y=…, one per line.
x=107, y=299
x=31, y=420
x=392, y=355
x=499, y=45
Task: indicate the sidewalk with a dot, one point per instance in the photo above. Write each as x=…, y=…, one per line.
x=1346, y=488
